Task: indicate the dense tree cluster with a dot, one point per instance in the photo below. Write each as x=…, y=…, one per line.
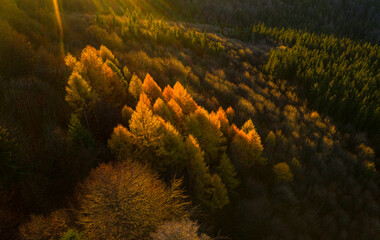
x=95, y=144
x=341, y=76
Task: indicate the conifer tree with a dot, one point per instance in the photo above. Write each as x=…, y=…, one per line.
x=127, y=74
x=270, y=144
x=145, y=126
x=248, y=126
x=174, y=148
x=151, y=89
x=228, y=173
x=177, y=111
x=209, y=190
x=160, y=108
x=79, y=94
x=184, y=99
x=135, y=86
x=123, y=143
x=283, y=172
x=104, y=81
x=79, y=136
x=223, y=119
x=246, y=149
x=230, y=112
x=116, y=70
x=270, y=140
x=145, y=100
x=126, y=114
x=219, y=193
x=207, y=131
x=107, y=54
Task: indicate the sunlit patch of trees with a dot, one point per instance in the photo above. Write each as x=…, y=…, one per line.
x=340, y=76
x=254, y=159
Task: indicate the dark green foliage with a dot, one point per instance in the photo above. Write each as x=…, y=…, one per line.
x=228, y=173
x=10, y=160
x=340, y=76
x=79, y=136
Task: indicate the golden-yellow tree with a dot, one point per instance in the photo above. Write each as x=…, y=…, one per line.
x=104, y=81
x=146, y=127
x=126, y=200
x=151, y=89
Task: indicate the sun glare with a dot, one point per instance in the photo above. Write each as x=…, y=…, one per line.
x=59, y=21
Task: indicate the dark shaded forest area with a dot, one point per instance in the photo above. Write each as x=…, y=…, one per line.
x=203, y=120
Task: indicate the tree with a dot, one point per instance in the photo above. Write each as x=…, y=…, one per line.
x=107, y=54
x=221, y=117
x=184, y=99
x=219, y=193
x=228, y=173
x=127, y=74
x=126, y=114
x=116, y=70
x=40, y=227
x=107, y=83
x=209, y=190
x=207, y=131
x=79, y=93
x=160, y=108
x=123, y=143
x=179, y=230
x=145, y=126
x=230, y=112
x=174, y=148
x=126, y=200
x=246, y=149
x=283, y=172
x=181, y=97
x=79, y=136
x=270, y=140
x=135, y=87
x=248, y=126
x=151, y=89
x=177, y=110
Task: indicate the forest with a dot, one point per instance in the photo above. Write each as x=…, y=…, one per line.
x=163, y=119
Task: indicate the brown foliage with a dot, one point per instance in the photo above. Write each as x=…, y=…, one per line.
x=39, y=227
x=126, y=201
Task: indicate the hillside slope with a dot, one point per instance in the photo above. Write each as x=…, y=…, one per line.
x=178, y=100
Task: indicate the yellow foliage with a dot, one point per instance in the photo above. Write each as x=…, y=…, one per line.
x=230, y=112
x=123, y=143
x=145, y=126
x=79, y=92
x=135, y=86
x=160, y=108
x=151, y=89
x=126, y=114
x=283, y=172
x=177, y=111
